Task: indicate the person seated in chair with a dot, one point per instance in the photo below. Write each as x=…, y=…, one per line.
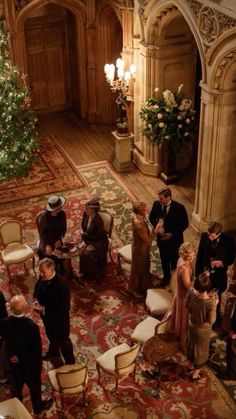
x=52, y=226
x=93, y=258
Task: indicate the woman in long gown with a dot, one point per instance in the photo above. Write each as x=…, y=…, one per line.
x=93, y=258
x=140, y=277
x=201, y=305
x=185, y=278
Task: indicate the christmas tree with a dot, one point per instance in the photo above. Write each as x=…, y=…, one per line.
x=17, y=120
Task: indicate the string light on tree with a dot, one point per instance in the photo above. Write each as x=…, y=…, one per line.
x=17, y=120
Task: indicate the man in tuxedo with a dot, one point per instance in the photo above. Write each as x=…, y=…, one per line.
x=230, y=372
x=24, y=353
x=216, y=252
x=174, y=218
x=52, y=302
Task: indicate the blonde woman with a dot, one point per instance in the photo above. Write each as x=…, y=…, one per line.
x=140, y=277
x=185, y=278
x=201, y=305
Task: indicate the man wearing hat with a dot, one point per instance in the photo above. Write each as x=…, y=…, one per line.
x=93, y=260
x=51, y=225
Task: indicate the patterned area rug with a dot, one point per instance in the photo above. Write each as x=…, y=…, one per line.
x=104, y=315
x=53, y=171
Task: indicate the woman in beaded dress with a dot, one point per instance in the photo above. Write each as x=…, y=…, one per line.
x=201, y=305
x=184, y=278
x=140, y=277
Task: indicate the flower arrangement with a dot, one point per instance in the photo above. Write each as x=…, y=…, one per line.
x=168, y=118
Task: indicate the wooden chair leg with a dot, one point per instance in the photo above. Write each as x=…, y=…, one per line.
x=26, y=269
x=117, y=383
x=119, y=269
x=99, y=373
x=110, y=254
x=33, y=265
x=8, y=271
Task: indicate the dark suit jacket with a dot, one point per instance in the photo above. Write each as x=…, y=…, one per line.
x=175, y=222
x=54, y=296
x=51, y=228
x=23, y=341
x=223, y=249
x=3, y=311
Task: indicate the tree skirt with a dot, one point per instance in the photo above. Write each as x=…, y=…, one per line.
x=53, y=171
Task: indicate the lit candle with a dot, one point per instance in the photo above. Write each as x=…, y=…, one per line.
x=127, y=75
x=106, y=68
x=111, y=72
x=120, y=73
x=120, y=63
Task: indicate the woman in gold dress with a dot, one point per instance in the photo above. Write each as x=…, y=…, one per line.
x=140, y=277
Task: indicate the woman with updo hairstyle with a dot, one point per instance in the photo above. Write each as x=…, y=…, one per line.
x=184, y=278
x=140, y=276
x=93, y=258
x=201, y=305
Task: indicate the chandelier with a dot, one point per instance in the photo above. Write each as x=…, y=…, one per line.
x=122, y=82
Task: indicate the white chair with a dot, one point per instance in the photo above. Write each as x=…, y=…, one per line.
x=158, y=300
x=119, y=361
x=15, y=251
x=69, y=381
x=108, y=221
x=124, y=254
x=150, y=327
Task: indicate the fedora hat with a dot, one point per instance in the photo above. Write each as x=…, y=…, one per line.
x=55, y=202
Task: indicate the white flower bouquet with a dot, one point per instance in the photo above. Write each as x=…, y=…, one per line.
x=168, y=118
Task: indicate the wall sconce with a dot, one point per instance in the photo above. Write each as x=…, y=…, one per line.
x=123, y=82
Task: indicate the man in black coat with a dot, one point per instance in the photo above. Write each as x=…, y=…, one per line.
x=3, y=358
x=173, y=218
x=24, y=353
x=52, y=301
x=230, y=373
x=216, y=252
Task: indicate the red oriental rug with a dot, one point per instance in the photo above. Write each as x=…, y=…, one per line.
x=104, y=315
x=53, y=171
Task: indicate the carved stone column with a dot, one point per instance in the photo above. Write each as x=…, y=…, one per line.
x=215, y=188
x=91, y=61
x=145, y=154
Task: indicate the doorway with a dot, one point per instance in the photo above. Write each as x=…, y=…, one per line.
x=47, y=32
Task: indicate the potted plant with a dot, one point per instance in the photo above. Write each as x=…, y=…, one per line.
x=169, y=122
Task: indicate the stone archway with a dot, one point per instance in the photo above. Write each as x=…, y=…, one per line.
x=167, y=58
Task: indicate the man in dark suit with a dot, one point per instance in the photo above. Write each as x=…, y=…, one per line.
x=216, y=252
x=52, y=301
x=3, y=358
x=24, y=353
x=173, y=219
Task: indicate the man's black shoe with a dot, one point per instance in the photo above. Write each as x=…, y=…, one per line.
x=224, y=376
x=45, y=405
x=48, y=355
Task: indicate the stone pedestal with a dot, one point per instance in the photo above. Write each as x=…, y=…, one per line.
x=123, y=147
